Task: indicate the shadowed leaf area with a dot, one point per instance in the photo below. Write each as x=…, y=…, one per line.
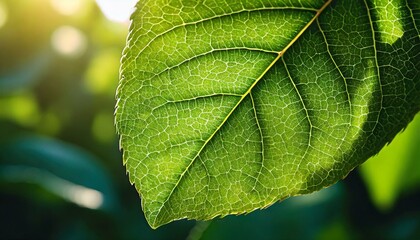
x=225, y=107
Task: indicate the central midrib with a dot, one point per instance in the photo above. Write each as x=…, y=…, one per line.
x=279, y=55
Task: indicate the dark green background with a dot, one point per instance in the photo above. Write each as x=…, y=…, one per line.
x=56, y=125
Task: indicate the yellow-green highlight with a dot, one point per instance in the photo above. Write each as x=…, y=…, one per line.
x=389, y=22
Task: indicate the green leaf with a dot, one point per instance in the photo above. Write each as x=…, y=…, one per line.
x=225, y=107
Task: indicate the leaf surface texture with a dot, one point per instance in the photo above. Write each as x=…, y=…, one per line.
x=225, y=107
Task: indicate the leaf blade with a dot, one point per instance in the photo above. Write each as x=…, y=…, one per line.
x=325, y=111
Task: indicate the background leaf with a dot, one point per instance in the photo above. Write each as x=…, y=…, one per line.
x=392, y=171
x=226, y=107
x=59, y=168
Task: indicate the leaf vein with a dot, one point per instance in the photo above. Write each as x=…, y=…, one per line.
x=412, y=18
x=311, y=126
x=280, y=54
x=376, y=64
x=262, y=140
x=209, y=52
x=195, y=98
x=219, y=16
x=342, y=76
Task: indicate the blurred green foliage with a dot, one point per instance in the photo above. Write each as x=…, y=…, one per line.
x=61, y=173
x=396, y=169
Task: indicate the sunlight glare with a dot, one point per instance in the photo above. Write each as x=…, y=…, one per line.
x=117, y=11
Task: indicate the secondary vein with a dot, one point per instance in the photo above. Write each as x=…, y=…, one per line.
x=261, y=137
x=342, y=76
x=376, y=64
x=219, y=16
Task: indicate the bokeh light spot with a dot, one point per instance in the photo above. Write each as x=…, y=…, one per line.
x=78, y=194
x=67, y=7
x=69, y=41
x=102, y=74
x=85, y=197
x=21, y=108
x=3, y=14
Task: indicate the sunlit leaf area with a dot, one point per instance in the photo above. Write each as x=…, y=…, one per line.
x=61, y=171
